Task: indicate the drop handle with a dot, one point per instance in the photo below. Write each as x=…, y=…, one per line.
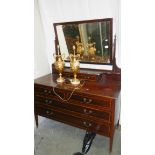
x=48, y=101
x=87, y=100
x=87, y=111
x=84, y=99
x=87, y=124
x=49, y=112
x=45, y=91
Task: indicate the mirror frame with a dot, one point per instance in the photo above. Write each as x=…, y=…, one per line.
x=90, y=21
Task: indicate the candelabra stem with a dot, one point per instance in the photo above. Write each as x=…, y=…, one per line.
x=75, y=76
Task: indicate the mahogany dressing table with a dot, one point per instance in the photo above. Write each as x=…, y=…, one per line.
x=92, y=106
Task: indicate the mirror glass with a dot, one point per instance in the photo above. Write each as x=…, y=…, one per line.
x=92, y=40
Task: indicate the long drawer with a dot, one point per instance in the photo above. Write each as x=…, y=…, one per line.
x=105, y=115
x=82, y=123
x=83, y=99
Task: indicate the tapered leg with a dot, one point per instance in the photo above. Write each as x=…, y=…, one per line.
x=36, y=120
x=111, y=143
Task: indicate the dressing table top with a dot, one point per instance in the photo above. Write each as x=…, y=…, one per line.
x=103, y=88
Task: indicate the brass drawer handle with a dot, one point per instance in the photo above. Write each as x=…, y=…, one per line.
x=48, y=101
x=45, y=91
x=87, y=124
x=84, y=99
x=87, y=111
x=87, y=100
x=49, y=112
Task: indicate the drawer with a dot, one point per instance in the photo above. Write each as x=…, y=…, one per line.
x=105, y=115
x=48, y=91
x=89, y=100
x=83, y=76
x=83, y=123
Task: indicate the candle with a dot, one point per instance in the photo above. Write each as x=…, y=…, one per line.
x=58, y=49
x=74, y=49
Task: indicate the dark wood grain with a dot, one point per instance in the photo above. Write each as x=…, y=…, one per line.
x=92, y=107
x=83, y=110
x=74, y=120
x=104, y=88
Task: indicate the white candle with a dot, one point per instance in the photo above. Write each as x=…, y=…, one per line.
x=74, y=49
x=58, y=49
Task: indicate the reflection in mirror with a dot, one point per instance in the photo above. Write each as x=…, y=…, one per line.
x=93, y=40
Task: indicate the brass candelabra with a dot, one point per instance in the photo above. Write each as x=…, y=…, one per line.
x=74, y=65
x=59, y=65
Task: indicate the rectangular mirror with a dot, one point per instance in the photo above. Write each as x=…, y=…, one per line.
x=92, y=39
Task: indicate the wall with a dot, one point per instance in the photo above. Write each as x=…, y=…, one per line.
x=41, y=66
x=71, y=10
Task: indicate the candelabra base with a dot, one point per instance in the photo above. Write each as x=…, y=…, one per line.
x=75, y=81
x=60, y=79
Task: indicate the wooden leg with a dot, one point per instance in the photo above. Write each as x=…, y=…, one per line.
x=36, y=120
x=111, y=143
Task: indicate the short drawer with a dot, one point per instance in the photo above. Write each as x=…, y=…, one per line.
x=74, y=121
x=89, y=100
x=48, y=91
x=83, y=76
x=105, y=115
